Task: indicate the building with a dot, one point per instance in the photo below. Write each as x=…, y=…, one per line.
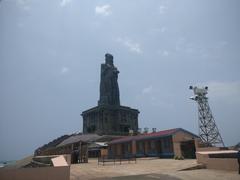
x=96, y=149
x=109, y=117
x=78, y=146
x=166, y=144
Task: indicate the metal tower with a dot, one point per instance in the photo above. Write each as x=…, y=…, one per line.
x=208, y=130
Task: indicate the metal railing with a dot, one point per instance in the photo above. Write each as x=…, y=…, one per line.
x=117, y=158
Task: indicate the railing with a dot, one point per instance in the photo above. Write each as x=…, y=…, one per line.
x=114, y=159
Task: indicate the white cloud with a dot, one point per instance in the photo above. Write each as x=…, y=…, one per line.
x=163, y=29
x=24, y=4
x=162, y=104
x=64, y=70
x=151, y=96
x=132, y=46
x=20, y=24
x=63, y=3
x=165, y=53
x=103, y=10
x=180, y=44
x=221, y=44
x=157, y=30
x=147, y=90
x=162, y=9
x=209, y=51
x=187, y=47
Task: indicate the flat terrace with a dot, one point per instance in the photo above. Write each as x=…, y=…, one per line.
x=147, y=168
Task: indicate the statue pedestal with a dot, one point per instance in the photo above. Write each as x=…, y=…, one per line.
x=110, y=120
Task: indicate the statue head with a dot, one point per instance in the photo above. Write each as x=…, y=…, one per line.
x=109, y=59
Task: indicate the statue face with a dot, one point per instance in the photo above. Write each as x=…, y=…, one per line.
x=109, y=59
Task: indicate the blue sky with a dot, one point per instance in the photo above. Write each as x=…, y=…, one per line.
x=51, y=51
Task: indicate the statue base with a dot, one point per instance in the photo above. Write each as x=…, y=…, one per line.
x=110, y=120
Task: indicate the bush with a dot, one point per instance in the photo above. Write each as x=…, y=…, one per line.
x=178, y=157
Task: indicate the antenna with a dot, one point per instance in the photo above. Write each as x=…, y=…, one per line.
x=154, y=130
x=208, y=130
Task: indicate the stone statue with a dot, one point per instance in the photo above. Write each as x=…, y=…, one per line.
x=109, y=90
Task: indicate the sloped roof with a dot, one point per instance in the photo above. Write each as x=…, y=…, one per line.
x=78, y=138
x=108, y=138
x=88, y=138
x=52, y=144
x=97, y=145
x=151, y=135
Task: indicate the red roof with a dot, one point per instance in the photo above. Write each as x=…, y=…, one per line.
x=146, y=136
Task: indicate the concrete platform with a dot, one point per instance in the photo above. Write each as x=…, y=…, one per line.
x=148, y=168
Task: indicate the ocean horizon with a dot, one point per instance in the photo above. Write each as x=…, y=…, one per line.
x=5, y=163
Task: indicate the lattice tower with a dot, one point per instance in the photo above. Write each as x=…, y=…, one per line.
x=208, y=130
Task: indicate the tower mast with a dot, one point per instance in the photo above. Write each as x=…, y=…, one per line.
x=208, y=130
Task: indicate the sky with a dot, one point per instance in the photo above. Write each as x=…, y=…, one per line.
x=51, y=51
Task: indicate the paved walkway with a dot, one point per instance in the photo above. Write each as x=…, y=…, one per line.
x=164, y=169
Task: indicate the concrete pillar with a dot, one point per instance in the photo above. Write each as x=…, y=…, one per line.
x=177, y=149
x=118, y=149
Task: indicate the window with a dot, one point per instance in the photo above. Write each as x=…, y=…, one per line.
x=152, y=145
x=123, y=117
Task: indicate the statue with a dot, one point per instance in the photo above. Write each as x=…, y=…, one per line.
x=109, y=90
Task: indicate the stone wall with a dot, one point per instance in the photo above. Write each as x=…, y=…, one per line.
x=217, y=163
x=43, y=173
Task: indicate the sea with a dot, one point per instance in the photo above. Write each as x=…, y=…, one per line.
x=1, y=164
x=6, y=163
